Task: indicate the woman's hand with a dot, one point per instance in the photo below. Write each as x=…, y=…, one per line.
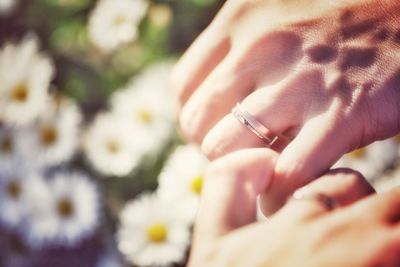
x=325, y=75
x=361, y=230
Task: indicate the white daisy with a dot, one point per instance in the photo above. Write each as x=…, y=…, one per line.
x=25, y=75
x=16, y=184
x=6, y=6
x=13, y=250
x=150, y=233
x=111, y=145
x=115, y=22
x=181, y=179
x=147, y=103
x=54, y=137
x=371, y=160
x=12, y=204
x=70, y=215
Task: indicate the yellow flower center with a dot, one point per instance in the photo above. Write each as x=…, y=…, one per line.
x=119, y=20
x=157, y=233
x=58, y=100
x=113, y=147
x=14, y=190
x=145, y=116
x=197, y=184
x=48, y=135
x=20, y=93
x=358, y=153
x=65, y=208
x=6, y=144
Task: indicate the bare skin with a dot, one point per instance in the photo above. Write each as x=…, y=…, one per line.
x=363, y=231
x=323, y=74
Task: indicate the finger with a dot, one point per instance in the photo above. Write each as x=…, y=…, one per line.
x=390, y=250
x=341, y=187
x=243, y=70
x=317, y=147
x=230, y=135
x=383, y=207
x=208, y=50
x=230, y=191
x=214, y=98
x=200, y=59
x=280, y=108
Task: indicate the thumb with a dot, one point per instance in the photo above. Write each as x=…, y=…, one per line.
x=230, y=192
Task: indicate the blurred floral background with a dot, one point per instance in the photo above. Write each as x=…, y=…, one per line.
x=92, y=170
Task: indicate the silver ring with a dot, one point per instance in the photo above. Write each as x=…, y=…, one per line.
x=328, y=202
x=254, y=125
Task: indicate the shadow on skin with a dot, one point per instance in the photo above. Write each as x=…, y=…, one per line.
x=322, y=54
x=275, y=55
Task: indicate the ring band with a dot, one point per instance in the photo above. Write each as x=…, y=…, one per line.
x=254, y=125
x=328, y=202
